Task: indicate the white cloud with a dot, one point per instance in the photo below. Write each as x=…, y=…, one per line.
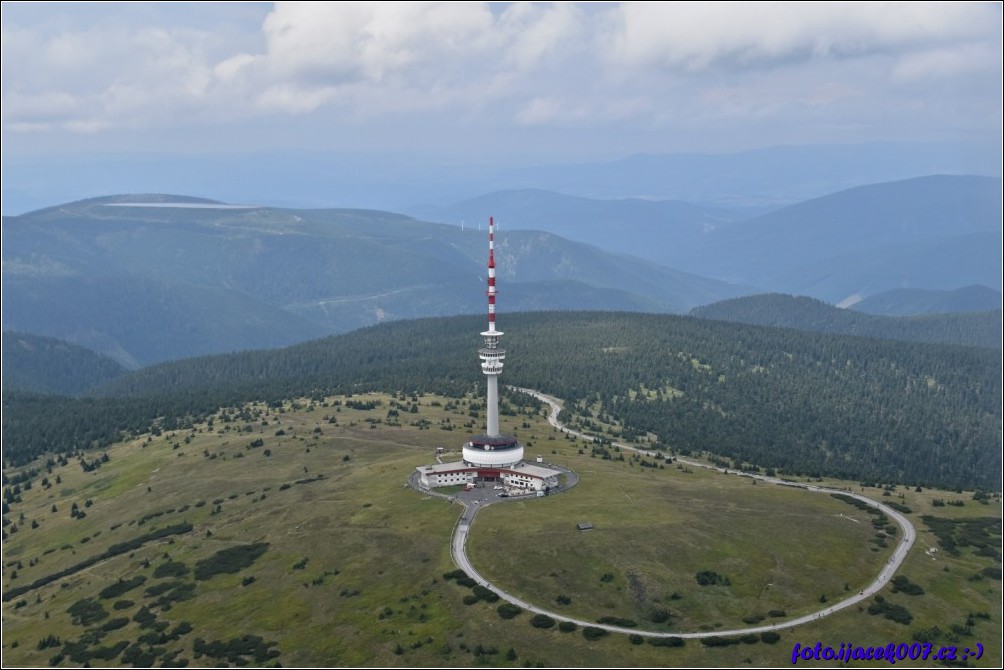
x=434, y=51
x=534, y=34
x=539, y=111
x=231, y=68
x=345, y=42
x=694, y=37
x=103, y=77
x=294, y=99
x=967, y=59
x=500, y=67
x=38, y=111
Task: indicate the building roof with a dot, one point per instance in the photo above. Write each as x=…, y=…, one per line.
x=442, y=468
x=533, y=470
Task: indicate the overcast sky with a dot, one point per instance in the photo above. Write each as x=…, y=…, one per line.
x=542, y=81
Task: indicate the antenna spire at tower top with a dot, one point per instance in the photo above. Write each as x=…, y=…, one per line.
x=491, y=273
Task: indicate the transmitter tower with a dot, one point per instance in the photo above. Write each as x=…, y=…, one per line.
x=491, y=355
x=492, y=449
x=492, y=457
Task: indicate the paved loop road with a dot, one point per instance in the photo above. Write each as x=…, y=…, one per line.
x=908, y=537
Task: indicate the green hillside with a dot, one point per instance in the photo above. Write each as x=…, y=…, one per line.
x=284, y=534
x=45, y=365
x=797, y=402
x=980, y=329
x=149, y=283
x=138, y=321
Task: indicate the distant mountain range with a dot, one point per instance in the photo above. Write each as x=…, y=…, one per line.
x=748, y=182
x=662, y=231
x=759, y=179
x=150, y=278
x=936, y=232
x=981, y=329
x=932, y=233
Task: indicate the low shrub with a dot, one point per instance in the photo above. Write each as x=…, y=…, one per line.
x=542, y=621
x=509, y=611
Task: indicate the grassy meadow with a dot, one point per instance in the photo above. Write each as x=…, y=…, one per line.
x=353, y=569
x=655, y=529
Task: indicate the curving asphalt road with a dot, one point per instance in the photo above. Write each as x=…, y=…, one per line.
x=909, y=536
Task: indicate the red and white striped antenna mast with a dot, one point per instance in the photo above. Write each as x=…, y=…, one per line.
x=491, y=273
x=491, y=355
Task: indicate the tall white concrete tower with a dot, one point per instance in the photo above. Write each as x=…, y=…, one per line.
x=491, y=355
x=492, y=450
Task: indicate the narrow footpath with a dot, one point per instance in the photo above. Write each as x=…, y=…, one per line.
x=908, y=537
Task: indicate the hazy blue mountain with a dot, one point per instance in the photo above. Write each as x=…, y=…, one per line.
x=765, y=178
x=907, y=301
x=137, y=321
x=934, y=263
x=981, y=329
x=658, y=230
x=754, y=181
x=47, y=365
x=151, y=283
x=932, y=232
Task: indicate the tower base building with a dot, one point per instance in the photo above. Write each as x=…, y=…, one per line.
x=519, y=476
x=489, y=459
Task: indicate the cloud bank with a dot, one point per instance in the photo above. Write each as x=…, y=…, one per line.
x=684, y=66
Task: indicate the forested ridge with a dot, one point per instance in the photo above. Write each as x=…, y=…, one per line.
x=980, y=329
x=798, y=402
x=47, y=365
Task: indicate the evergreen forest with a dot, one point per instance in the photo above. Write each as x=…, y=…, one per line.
x=47, y=365
x=796, y=403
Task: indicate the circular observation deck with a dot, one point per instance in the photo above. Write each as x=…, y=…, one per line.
x=493, y=451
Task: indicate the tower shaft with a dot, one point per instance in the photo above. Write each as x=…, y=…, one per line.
x=492, y=427
x=491, y=354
